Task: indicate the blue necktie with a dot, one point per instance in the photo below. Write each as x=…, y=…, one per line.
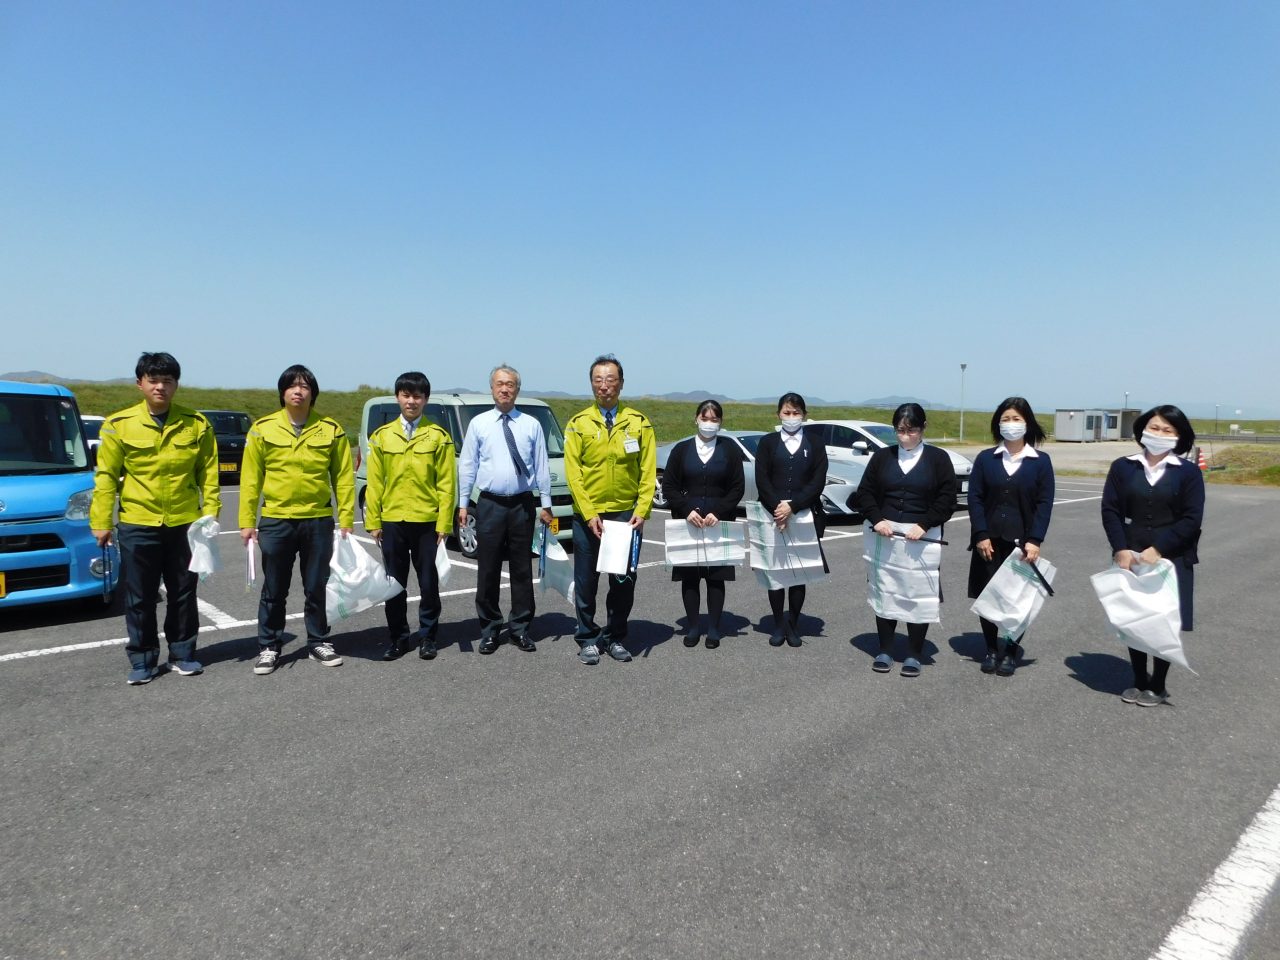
x=521, y=469
x=608, y=420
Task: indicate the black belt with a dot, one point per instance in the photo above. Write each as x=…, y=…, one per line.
x=507, y=501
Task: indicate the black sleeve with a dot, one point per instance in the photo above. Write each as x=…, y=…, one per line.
x=869, y=496
x=809, y=495
x=735, y=481
x=1182, y=537
x=1113, y=505
x=944, y=483
x=673, y=482
x=764, y=468
x=1046, y=489
x=978, y=509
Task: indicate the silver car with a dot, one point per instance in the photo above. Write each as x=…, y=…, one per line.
x=842, y=478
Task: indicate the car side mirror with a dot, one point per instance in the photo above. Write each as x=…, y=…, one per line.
x=860, y=446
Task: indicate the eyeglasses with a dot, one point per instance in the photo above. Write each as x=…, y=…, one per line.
x=605, y=381
x=912, y=432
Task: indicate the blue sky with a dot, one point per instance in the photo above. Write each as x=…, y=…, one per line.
x=846, y=199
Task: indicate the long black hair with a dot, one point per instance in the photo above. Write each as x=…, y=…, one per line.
x=910, y=415
x=1035, y=433
x=1177, y=419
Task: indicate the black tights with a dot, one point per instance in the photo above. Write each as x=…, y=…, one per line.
x=915, y=636
x=715, y=601
x=1160, y=670
x=795, y=596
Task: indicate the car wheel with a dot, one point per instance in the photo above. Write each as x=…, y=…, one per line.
x=659, y=498
x=468, y=543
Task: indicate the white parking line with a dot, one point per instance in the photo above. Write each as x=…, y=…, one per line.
x=220, y=620
x=1219, y=918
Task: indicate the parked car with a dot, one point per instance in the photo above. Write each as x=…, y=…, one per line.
x=92, y=427
x=842, y=478
x=231, y=431
x=853, y=441
x=46, y=485
x=453, y=412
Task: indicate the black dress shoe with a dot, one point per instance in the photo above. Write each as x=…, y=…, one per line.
x=778, y=637
x=428, y=649
x=488, y=645
x=713, y=638
x=793, y=638
x=691, y=637
x=989, y=664
x=395, y=651
x=525, y=644
x=1006, y=667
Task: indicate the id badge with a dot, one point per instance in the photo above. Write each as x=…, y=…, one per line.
x=631, y=445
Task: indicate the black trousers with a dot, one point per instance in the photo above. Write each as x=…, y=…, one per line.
x=504, y=530
x=310, y=541
x=622, y=590
x=147, y=556
x=404, y=542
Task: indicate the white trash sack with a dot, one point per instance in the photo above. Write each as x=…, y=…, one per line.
x=784, y=558
x=1143, y=608
x=722, y=544
x=557, y=574
x=616, y=548
x=356, y=580
x=202, y=537
x=903, y=580
x=443, y=566
x=1013, y=597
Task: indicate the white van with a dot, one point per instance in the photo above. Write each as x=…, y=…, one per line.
x=453, y=412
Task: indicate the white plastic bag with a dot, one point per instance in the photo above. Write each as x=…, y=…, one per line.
x=443, y=567
x=1013, y=597
x=615, y=548
x=903, y=580
x=356, y=580
x=784, y=558
x=1143, y=608
x=202, y=536
x=557, y=573
x=723, y=544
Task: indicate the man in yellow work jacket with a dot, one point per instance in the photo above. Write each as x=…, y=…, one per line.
x=160, y=458
x=292, y=458
x=408, y=509
x=610, y=463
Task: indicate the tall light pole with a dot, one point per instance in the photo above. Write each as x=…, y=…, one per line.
x=1126, y=399
x=962, y=369
x=1215, y=418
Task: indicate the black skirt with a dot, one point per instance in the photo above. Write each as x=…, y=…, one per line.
x=703, y=573
x=981, y=571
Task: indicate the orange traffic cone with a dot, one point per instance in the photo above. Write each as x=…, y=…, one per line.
x=1203, y=465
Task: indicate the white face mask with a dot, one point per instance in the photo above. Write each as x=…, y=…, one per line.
x=792, y=424
x=708, y=429
x=1013, y=430
x=1157, y=445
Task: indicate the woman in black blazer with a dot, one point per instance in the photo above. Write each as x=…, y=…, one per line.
x=1152, y=507
x=791, y=471
x=910, y=482
x=703, y=483
x=1010, y=502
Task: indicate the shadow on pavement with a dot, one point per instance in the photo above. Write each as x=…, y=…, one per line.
x=644, y=635
x=1101, y=671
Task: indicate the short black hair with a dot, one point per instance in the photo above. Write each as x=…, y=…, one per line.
x=795, y=400
x=293, y=375
x=604, y=358
x=909, y=415
x=1177, y=419
x=413, y=382
x=157, y=365
x=1035, y=433
x=713, y=407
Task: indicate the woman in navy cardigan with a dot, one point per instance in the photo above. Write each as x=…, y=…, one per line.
x=1152, y=507
x=704, y=482
x=1010, y=501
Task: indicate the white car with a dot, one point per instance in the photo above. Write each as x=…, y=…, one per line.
x=854, y=441
x=92, y=425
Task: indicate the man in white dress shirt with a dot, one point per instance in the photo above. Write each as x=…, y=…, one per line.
x=505, y=454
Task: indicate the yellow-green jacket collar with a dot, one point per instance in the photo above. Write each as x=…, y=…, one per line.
x=280, y=424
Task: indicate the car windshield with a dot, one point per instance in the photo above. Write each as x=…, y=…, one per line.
x=381, y=414
x=882, y=432
x=233, y=423
x=40, y=434
x=544, y=416
x=751, y=443
x=91, y=428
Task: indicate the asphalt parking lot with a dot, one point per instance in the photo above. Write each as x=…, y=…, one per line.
x=740, y=802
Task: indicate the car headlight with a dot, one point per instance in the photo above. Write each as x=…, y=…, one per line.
x=78, y=505
x=831, y=480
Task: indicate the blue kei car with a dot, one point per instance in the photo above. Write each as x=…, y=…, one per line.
x=46, y=483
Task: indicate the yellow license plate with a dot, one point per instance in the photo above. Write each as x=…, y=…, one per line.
x=555, y=528
x=228, y=467
x=3, y=588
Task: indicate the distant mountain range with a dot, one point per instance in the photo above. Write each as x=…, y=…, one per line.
x=697, y=396
x=39, y=376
